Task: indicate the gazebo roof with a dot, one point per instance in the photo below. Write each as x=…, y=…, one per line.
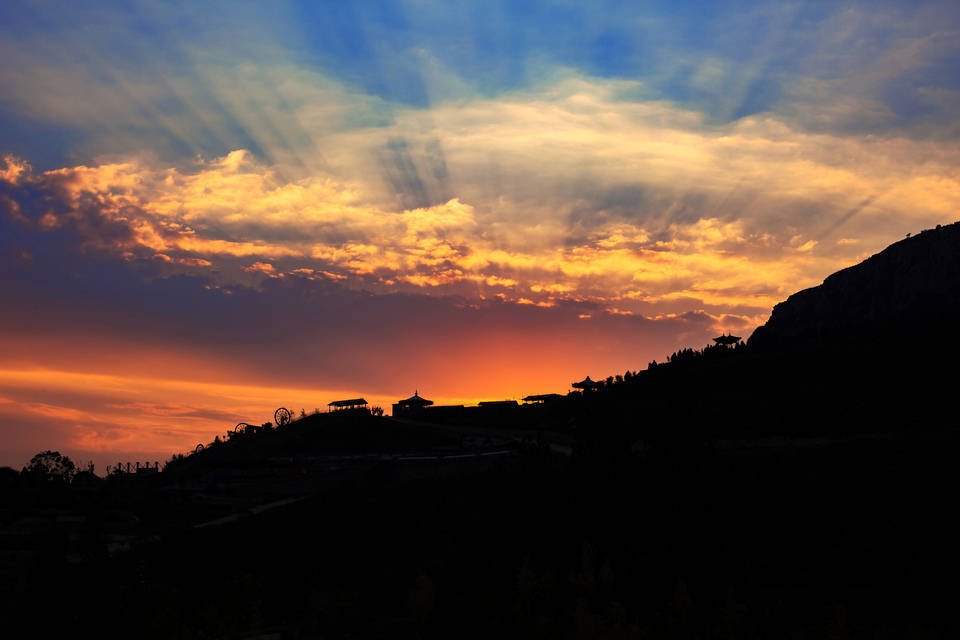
x=353, y=402
x=586, y=383
x=415, y=401
x=727, y=339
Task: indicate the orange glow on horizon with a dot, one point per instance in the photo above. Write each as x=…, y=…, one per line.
x=101, y=416
x=650, y=228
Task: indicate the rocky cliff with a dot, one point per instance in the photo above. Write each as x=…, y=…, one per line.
x=913, y=282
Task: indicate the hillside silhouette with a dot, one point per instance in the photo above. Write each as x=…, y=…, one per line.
x=798, y=484
x=871, y=350
x=912, y=285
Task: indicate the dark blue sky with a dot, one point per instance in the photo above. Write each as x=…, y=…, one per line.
x=726, y=60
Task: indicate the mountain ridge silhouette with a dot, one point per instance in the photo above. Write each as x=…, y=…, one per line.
x=911, y=282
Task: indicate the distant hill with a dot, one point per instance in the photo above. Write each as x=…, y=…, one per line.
x=912, y=283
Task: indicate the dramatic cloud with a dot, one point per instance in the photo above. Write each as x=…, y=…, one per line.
x=568, y=194
x=316, y=200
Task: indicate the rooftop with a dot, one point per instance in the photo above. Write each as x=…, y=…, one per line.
x=543, y=397
x=415, y=401
x=353, y=402
x=586, y=383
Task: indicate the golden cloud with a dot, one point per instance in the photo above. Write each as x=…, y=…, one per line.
x=567, y=193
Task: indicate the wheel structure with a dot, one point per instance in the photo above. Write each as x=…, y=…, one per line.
x=198, y=448
x=282, y=417
x=242, y=427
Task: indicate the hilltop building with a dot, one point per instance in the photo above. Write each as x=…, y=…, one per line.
x=585, y=385
x=727, y=340
x=341, y=405
x=542, y=398
x=412, y=405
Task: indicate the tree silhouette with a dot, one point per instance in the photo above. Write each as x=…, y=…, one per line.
x=50, y=466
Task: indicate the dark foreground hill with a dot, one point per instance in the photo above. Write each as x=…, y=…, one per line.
x=801, y=486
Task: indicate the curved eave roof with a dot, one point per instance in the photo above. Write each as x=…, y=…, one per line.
x=586, y=383
x=415, y=401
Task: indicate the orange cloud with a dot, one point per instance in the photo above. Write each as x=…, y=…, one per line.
x=261, y=267
x=15, y=167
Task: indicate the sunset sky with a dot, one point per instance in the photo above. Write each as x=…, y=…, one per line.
x=210, y=210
